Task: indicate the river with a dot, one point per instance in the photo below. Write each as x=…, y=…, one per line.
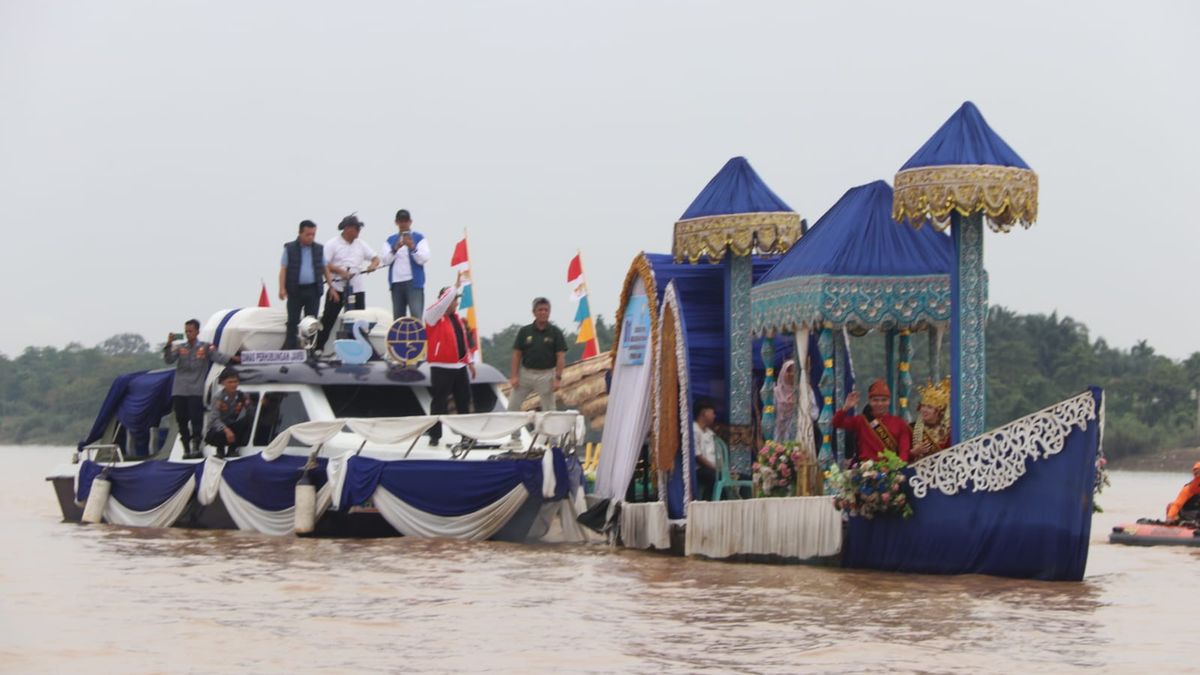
x=119, y=600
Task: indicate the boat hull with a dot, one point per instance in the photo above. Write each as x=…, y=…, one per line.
x=1154, y=533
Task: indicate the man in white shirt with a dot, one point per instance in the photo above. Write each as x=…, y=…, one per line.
x=405, y=253
x=706, y=449
x=348, y=258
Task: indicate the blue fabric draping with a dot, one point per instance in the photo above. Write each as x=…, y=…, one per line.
x=735, y=189
x=1037, y=528
x=140, y=487
x=965, y=138
x=857, y=237
x=447, y=487
x=268, y=485
x=701, y=289
x=138, y=401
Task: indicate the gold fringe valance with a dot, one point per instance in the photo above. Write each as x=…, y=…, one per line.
x=1006, y=195
x=741, y=233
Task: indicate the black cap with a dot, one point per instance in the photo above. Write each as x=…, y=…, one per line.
x=350, y=221
x=403, y=214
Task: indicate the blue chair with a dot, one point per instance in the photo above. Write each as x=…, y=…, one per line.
x=725, y=480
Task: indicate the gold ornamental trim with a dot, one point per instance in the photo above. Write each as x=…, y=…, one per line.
x=639, y=270
x=741, y=233
x=1006, y=195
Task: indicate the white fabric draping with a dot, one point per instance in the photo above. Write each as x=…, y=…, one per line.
x=163, y=515
x=249, y=517
x=413, y=522
x=791, y=527
x=335, y=476
x=626, y=422
x=804, y=422
x=645, y=525
x=210, y=481
x=557, y=524
x=549, y=483
x=486, y=425
x=391, y=430
x=557, y=423
x=308, y=433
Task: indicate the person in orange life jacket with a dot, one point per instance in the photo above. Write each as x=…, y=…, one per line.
x=882, y=432
x=449, y=348
x=1187, y=504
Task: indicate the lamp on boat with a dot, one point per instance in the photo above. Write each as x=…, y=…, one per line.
x=963, y=176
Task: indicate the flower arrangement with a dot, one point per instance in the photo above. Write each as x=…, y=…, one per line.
x=774, y=470
x=872, y=487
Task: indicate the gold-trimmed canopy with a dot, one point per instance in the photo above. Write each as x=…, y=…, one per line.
x=1006, y=195
x=740, y=233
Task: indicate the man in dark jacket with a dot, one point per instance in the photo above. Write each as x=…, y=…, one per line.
x=302, y=274
x=230, y=416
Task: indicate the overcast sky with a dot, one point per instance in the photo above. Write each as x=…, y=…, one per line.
x=154, y=156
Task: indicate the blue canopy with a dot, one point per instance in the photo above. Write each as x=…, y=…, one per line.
x=966, y=168
x=965, y=138
x=735, y=189
x=858, y=267
x=735, y=212
x=138, y=401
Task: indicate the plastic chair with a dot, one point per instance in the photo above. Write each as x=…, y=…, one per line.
x=725, y=479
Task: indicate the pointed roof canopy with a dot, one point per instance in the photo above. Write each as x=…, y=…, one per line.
x=966, y=167
x=736, y=211
x=857, y=267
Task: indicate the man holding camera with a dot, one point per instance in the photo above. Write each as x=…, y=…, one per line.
x=405, y=253
x=191, y=360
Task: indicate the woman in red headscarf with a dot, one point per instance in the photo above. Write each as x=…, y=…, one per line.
x=882, y=432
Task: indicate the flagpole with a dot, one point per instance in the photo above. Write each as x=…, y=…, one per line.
x=474, y=302
x=583, y=273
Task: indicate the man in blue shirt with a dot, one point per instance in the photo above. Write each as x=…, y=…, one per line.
x=301, y=275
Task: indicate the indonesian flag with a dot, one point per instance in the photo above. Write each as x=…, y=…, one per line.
x=583, y=311
x=264, y=300
x=461, y=261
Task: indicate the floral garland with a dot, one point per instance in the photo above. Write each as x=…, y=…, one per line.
x=872, y=487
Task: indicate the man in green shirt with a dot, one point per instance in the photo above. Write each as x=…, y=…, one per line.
x=539, y=355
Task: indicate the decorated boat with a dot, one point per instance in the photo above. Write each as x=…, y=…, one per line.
x=1013, y=501
x=333, y=448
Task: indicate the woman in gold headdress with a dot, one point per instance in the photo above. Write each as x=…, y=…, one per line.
x=932, y=431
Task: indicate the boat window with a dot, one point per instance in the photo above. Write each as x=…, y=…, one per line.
x=484, y=399
x=352, y=400
x=280, y=410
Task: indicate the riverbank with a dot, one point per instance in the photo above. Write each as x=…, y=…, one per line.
x=1170, y=460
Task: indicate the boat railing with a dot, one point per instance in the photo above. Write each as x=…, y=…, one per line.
x=93, y=453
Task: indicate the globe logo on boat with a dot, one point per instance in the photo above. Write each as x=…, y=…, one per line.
x=406, y=341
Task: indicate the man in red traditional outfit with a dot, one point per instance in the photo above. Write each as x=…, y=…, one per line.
x=882, y=431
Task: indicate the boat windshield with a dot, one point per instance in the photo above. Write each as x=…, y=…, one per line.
x=352, y=400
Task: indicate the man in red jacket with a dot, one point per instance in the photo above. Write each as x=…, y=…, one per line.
x=449, y=358
x=882, y=431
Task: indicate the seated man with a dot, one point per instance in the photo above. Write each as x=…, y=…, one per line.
x=229, y=418
x=878, y=432
x=706, y=449
x=931, y=433
x=1187, y=504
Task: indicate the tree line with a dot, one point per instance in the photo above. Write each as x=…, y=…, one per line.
x=50, y=395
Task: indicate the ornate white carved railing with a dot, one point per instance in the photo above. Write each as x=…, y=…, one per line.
x=996, y=459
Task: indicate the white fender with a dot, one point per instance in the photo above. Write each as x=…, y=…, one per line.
x=306, y=508
x=93, y=511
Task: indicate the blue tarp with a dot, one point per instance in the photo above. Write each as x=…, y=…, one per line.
x=857, y=237
x=965, y=138
x=1037, y=528
x=447, y=487
x=735, y=189
x=140, y=487
x=268, y=485
x=138, y=401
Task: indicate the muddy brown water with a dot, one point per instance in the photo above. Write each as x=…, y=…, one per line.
x=121, y=600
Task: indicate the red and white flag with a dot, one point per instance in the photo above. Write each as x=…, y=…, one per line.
x=583, y=312
x=264, y=300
